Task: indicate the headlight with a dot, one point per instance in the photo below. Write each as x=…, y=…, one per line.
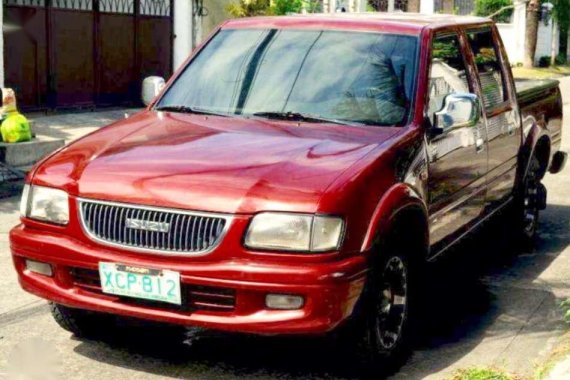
x=293, y=232
x=46, y=204
x=24, y=201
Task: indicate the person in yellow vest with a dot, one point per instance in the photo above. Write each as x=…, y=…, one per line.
x=15, y=127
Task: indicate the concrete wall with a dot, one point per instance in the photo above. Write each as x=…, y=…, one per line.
x=182, y=31
x=427, y=6
x=190, y=30
x=216, y=14
x=513, y=36
x=513, y=41
x=546, y=36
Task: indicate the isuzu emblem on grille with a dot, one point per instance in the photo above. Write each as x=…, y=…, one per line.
x=147, y=225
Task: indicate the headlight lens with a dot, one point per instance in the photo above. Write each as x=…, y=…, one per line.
x=46, y=204
x=293, y=232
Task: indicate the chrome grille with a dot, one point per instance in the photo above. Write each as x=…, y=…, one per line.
x=151, y=229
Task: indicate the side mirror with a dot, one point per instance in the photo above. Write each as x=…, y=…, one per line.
x=151, y=87
x=460, y=110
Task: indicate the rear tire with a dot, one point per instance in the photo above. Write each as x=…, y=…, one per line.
x=529, y=200
x=82, y=323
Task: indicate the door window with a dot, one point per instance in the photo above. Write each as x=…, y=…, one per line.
x=448, y=71
x=492, y=79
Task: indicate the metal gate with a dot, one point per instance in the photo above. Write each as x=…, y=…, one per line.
x=382, y=5
x=460, y=7
x=85, y=53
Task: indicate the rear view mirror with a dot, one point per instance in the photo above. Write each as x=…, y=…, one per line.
x=460, y=110
x=151, y=87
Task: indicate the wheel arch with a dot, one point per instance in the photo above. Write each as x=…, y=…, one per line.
x=400, y=211
x=542, y=153
x=537, y=143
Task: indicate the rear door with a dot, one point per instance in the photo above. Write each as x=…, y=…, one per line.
x=457, y=158
x=501, y=112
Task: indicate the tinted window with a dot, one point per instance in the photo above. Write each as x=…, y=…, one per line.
x=489, y=67
x=360, y=77
x=447, y=73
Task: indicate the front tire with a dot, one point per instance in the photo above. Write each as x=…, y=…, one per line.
x=387, y=320
x=81, y=323
x=381, y=327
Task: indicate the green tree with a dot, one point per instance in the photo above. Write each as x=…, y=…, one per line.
x=249, y=8
x=561, y=13
x=283, y=7
x=531, y=32
x=489, y=7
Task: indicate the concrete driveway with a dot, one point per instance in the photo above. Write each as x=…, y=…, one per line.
x=490, y=305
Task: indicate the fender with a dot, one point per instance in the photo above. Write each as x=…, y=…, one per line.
x=533, y=131
x=397, y=198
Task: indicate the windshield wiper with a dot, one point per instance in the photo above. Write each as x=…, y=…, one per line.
x=188, y=109
x=298, y=116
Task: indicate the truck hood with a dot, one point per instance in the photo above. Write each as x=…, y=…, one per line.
x=210, y=163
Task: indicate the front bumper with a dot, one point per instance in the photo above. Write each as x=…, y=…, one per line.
x=330, y=289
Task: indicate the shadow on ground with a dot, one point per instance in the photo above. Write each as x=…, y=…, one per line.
x=462, y=306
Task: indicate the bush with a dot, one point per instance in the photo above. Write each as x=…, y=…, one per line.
x=249, y=8
x=561, y=59
x=544, y=61
x=283, y=7
x=488, y=7
x=565, y=305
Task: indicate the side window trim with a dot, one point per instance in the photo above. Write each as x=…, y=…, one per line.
x=472, y=83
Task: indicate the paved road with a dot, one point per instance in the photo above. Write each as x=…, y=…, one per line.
x=491, y=305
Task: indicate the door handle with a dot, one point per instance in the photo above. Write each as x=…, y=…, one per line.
x=479, y=145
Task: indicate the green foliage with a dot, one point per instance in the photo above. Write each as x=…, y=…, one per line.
x=488, y=7
x=251, y=8
x=561, y=13
x=283, y=7
x=561, y=59
x=482, y=373
x=444, y=50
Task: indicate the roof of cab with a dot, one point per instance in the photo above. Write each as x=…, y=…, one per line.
x=401, y=22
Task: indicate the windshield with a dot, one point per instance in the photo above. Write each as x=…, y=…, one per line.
x=344, y=76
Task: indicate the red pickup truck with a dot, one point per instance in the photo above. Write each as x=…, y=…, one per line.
x=292, y=178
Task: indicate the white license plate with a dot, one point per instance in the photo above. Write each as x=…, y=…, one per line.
x=150, y=284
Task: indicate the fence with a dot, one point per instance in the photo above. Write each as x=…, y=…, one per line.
x=460, y=7
x=382, y=5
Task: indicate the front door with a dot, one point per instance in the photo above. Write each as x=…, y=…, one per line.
x=458, y=157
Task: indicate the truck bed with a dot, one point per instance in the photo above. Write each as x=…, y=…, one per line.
x=540, y=100
x=532, y=90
